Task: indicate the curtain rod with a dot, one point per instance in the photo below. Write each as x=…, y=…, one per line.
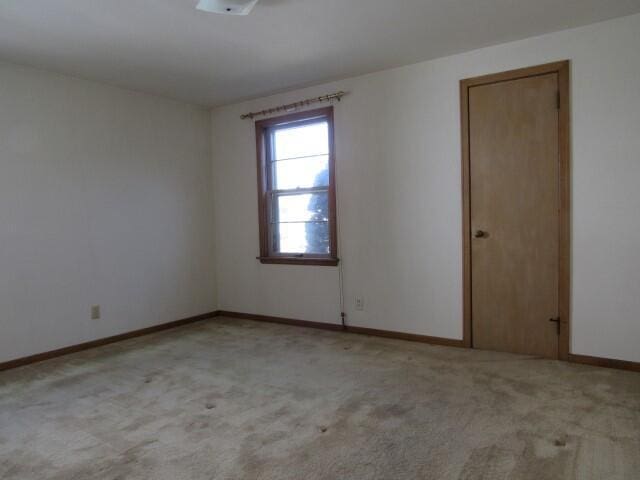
x=292, y=106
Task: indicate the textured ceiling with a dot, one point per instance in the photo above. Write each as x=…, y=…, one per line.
x=168, y=48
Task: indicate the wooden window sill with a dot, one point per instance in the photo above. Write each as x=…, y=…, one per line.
x=322, y=262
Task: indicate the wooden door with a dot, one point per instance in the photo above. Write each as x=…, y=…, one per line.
x=514, y=214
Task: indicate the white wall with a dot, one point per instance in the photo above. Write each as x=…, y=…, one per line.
x=105, y=198
x=399, y=195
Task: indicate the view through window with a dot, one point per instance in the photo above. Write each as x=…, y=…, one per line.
x=296, y=174
x=300, y=197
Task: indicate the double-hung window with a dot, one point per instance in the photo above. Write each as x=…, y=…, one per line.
x=296, y=188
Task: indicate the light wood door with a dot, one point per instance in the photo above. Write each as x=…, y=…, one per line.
x=514, y=214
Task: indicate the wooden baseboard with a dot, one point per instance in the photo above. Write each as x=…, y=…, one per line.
x=334, y=327
x=583, y=359
x=281, y=320
x=605, y=362
x=19, y=362
x=448, y=342
x=411, y=337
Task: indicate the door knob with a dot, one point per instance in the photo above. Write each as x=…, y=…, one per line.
x=480, y=234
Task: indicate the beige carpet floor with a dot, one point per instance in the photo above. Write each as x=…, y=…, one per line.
x=232, y=399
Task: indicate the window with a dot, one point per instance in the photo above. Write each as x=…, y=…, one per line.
x=296, y=189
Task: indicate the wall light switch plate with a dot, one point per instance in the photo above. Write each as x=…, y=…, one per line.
x=95, y=312
x=359, y=303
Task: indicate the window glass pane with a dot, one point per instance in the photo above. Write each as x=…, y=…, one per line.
x=309, y=238
x=303, y=141
x=307, y=207
x=301, y=173
x=298, y=221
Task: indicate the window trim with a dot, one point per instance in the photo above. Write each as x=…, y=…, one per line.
x=263, y=128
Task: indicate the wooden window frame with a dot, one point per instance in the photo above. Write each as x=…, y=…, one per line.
x=263, y=128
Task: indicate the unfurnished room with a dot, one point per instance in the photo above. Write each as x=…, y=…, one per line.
x=319, y=240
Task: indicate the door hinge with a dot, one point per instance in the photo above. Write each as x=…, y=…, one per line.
x=558, y=100
x=557, y=322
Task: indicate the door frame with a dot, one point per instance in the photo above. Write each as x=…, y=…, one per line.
x=564, y=185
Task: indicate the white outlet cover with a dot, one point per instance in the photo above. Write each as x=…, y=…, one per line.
x=227, y=7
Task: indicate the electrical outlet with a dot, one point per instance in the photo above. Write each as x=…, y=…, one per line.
x=359, y=303
x=95, y=312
